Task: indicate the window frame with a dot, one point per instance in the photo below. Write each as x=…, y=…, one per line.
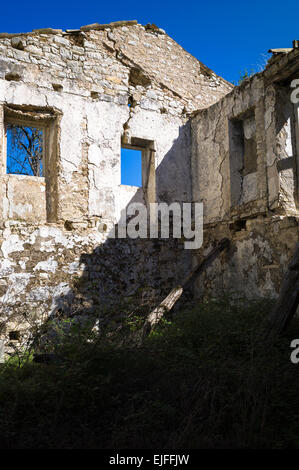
x=238, y=163
x=148, y=165
x=47, y=119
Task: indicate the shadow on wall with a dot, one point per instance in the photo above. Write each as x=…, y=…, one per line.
x=286, y=124
x=135, y=272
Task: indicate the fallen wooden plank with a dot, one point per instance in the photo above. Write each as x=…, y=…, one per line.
x=155, y=316
x=288, y=299
x=167, y=304
x=207, y=261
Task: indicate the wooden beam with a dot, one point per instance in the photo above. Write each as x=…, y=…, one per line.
x=288, y=299
x=167, y=304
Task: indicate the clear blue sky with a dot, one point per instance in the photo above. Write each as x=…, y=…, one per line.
x=131, y=169
x=227, y=36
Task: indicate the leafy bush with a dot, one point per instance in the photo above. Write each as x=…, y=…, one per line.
x=202, y=380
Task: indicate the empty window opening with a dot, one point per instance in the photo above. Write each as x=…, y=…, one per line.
x=250, y=154
x=285, y=124
x=287, y=132
x=131, y=167
x=138, y=163
x=25, y=154
x=30, y=149
x=243, y=159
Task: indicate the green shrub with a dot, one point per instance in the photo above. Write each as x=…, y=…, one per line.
x=201, y=380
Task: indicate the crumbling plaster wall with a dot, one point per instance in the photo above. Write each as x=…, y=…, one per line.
x=271, y=186
x=88, y=170
x=253, y=203
x=95, y=73
x=212, y=172
x=105, y=84
x=256, y=261
x=101, y=84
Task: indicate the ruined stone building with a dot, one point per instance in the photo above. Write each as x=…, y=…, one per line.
x=95, y=90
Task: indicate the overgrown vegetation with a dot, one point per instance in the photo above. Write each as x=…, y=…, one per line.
x=249, y=72
x=244, y=75
x=202, y=380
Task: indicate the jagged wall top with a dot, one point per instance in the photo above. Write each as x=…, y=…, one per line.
x=88, y=56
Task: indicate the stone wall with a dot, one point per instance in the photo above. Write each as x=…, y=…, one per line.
x=244, y=148
x=87, y=78
x=102, y=87
x=48, y=272
x=260, y=250
x=93, y=90
x=245, y=171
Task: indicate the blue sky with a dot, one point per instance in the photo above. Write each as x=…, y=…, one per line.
x=131, y=169
x=226, y=36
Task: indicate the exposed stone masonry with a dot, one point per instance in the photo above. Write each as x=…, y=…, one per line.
x=95, y=89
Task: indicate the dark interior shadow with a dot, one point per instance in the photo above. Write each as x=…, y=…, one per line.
x=122, y=275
